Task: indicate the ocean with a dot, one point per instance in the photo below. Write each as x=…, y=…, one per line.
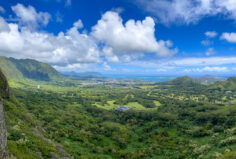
x=140, y=77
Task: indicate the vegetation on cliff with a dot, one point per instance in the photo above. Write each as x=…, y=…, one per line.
x=4, y=88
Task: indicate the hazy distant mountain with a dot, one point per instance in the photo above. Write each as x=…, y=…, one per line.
x=229, y=84
x=184, y=82
x=82, y=74
x=209, y=79
x=27, y=68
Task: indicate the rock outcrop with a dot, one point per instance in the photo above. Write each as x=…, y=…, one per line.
x=3, y=134
x=4, y=93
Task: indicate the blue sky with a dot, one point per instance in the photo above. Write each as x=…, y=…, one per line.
x=151, y=37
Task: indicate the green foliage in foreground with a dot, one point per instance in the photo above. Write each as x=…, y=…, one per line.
x=24, y=139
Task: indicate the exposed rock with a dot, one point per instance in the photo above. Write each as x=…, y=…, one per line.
x=3, y=134
x=4, y=93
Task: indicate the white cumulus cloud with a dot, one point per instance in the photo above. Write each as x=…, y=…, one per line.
x=111, y=57
x=3, y=25
x=65, y=48
x=133, y=36
x=211, y=34
x=75, y=49
x=207, y=69
x=187, y=11
x=106, y=66
x=30, y=17
x=77, y=67
x=204, y=61
x=110, y=41
x=230, y=37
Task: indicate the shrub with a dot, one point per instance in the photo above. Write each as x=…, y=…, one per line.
x=228, y=141
x=218, y=128
x=198, y=132
x=201, y=150
x=230, y=155
x=231, y=131
x=214, y=138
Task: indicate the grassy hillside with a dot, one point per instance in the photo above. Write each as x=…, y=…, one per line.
x=16, y=69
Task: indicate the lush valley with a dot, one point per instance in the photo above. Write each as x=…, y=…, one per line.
x=70, y=118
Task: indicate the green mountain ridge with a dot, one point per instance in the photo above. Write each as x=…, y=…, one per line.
x=208, y=79
x=229, y=84
x=184, y=82
x=187, y=82
x=19, y=69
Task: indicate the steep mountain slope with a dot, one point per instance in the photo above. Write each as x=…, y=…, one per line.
x=9, y=69
x=27, y=68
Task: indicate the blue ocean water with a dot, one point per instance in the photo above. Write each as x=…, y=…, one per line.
x=140, y=77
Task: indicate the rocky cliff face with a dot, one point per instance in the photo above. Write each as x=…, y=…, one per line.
x=4, y=93
x=3, y=134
